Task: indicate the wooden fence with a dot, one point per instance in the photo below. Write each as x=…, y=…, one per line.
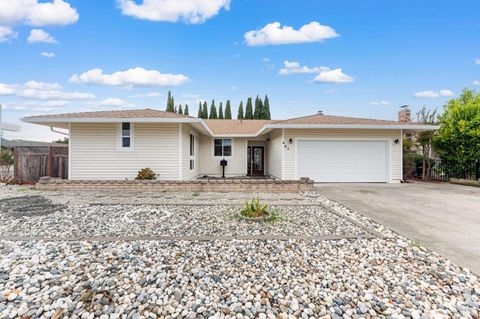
x=33, y=162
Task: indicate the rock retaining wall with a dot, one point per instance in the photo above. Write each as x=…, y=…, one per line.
x=210, y=185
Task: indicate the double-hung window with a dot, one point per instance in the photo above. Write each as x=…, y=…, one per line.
x=192, y=152
x=126, y=137
x=222, y=147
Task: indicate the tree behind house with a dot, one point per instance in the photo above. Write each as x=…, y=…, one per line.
x=185, y=112
x=249, y=110
x=213, y=111
x=240, y=111
x=228, y=111
x=266, y=109
x=425, y=139
x=220, y=111
x=170, y=103
x=180, y=109
x=200, y=113
x=205, y=110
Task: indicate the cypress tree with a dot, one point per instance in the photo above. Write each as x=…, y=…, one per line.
x=180, y=109
x=240, y=111
x=170, y=103
x=266, y=109
x=175, y=110
x=256, y=113
x=213, y=111
x=200, y=113
x=220, y=111
x=205, y=110
x=185, y=112
x=228, y=111
x=248, y=109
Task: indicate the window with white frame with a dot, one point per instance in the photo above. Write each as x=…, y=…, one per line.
x=126, y=137
x=222, y=147
x=192, y=152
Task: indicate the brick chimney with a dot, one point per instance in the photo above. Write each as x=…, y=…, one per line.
x=404, y=114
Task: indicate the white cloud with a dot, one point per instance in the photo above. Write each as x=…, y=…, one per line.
x=433, y=94
x=42, y=85
x=47, y=54
x=6, y=89
x=150, y=94
x=34, y=106
x=274, y=33
x=39, y=35
x=266, y=60
x=381, y=102
x=333, y=76
x=476, y=82
x=130, y=78
x=189, y=11
x=292, y=67
x=42, y=91
x=32, y=12
x=477, y=61
x=324, y=74
x=6, y=34
x=116, y=102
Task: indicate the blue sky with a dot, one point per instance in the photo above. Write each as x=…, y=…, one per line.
x=355, y=58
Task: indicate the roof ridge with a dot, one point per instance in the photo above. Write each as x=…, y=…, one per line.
x=335, y=116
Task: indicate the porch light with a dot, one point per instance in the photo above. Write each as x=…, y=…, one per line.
x=290, y=141
x=396, y=141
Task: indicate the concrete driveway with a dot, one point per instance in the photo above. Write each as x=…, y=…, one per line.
x=443, y=217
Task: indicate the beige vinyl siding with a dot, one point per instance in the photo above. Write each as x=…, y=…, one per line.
x=395, y=150
x=96, y=152
x=274, y=154
x=186, y=172
x=210, y=165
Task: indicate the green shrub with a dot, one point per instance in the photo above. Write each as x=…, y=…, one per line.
x=146, y=174
x=254, y=209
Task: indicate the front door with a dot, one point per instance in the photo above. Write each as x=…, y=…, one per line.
x=256, y=160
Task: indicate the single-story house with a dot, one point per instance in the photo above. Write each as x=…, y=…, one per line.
x=115, y=145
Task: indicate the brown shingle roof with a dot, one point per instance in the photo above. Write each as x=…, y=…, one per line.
x=227, y=127
x=141, y=113
x=339, y=120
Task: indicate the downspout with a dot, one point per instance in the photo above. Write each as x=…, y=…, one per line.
x=63, y=133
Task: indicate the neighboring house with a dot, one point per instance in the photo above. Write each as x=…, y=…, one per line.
x=11, y=144
x=114, y=145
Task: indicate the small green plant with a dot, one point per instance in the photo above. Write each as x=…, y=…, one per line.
x=146, y=174
x=274, y=217
x=195, y=194
x=23, y=189
x=254, y=208
x=416, y=243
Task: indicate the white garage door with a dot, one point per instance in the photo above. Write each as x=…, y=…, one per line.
x=343, y=161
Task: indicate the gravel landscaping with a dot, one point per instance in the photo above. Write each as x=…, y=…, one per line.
x=383, y=277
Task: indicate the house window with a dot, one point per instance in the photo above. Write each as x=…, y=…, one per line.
x=126, y=135
x=222, y=147
x=192, y=152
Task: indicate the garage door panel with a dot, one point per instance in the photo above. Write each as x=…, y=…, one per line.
x=342, y=161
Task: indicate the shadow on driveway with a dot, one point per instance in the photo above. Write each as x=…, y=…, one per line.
x=443, y=217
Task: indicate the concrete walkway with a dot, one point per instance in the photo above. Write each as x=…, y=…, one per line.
x=443, y=217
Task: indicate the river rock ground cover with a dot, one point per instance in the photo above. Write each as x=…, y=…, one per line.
x=384, y=277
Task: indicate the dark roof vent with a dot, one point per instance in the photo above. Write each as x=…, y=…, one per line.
x=320, y=112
